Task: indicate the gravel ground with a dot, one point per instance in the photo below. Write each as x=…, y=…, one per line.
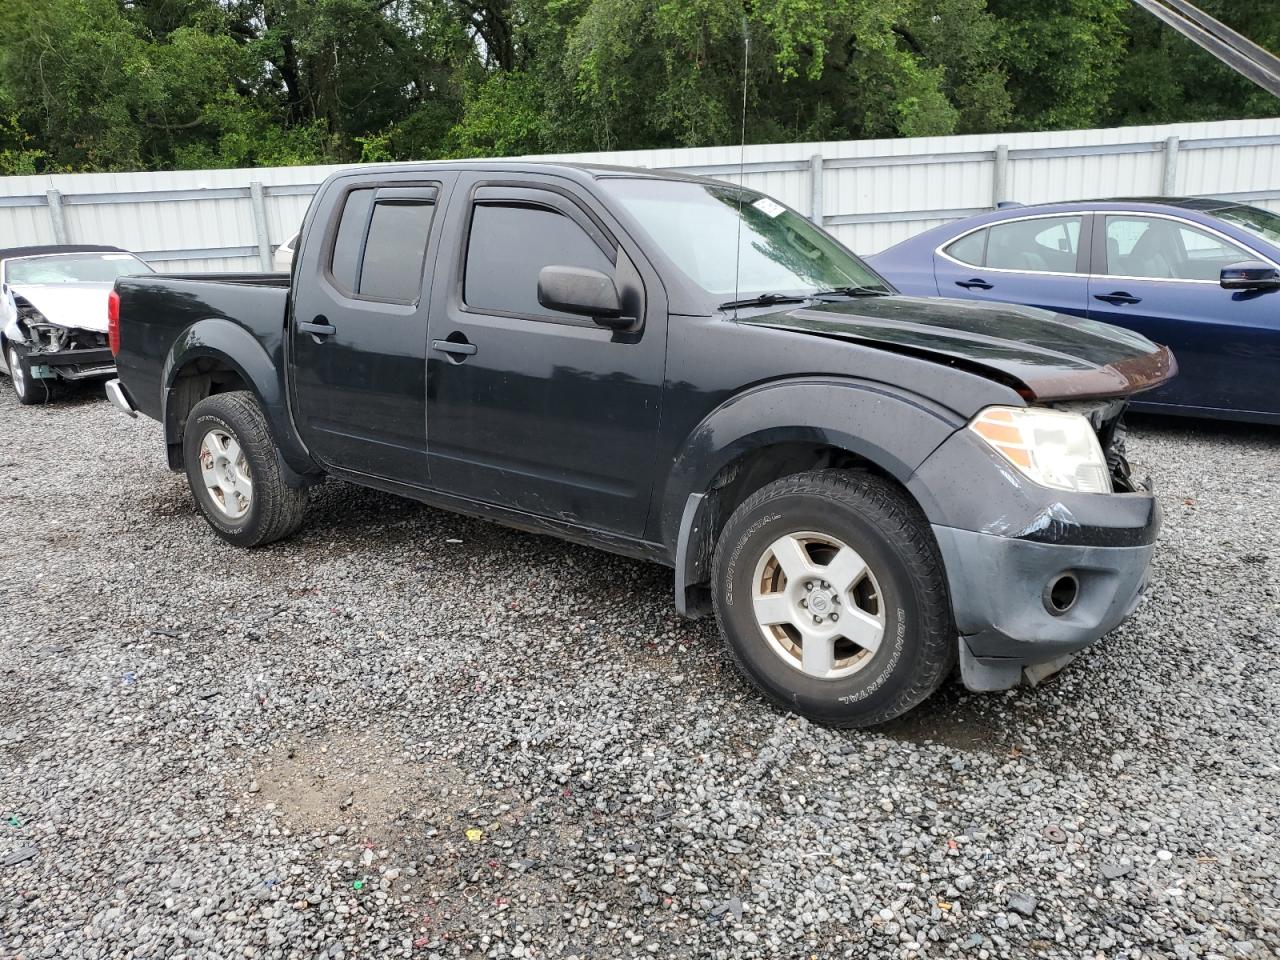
x=405, y=733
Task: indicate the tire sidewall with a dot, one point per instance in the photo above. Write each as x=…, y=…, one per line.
x=241, y=532
x=894, y=664
x=17, y=368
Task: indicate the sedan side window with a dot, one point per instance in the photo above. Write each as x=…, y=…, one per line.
x=1040, y=245
x=971, y=249
x=509, y=245
x=1153, y=248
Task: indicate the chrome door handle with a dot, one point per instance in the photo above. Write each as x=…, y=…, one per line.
x=319, y=327
x=457, y=348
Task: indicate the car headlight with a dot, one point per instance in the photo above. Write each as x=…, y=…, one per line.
x=1052, y=447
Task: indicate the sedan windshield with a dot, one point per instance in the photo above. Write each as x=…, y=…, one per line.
x=1259, y=222
x=74, y=268
x=739, y=244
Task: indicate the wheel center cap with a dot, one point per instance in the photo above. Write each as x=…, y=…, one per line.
x=818, y=602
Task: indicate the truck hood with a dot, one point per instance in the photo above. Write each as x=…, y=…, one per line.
x=80, y=306
x=1043, y=355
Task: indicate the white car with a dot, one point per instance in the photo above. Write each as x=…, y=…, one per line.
x=53, y=314
x=282, y=259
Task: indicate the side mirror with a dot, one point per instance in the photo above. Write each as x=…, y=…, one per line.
x=585, y=292
x=1250, y=275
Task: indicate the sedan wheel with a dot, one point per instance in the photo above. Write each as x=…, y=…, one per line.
x=18, y=374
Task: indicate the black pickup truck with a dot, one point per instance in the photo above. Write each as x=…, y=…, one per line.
x=864, y=487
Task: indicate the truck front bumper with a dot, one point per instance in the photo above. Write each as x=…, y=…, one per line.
x=1010, y=617
x=1035, y=575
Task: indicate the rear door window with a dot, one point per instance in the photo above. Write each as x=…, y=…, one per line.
x=380, y=246
x=1041, y=245
x=971, y=249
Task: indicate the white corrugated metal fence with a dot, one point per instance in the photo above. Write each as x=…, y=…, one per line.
x=870, y=193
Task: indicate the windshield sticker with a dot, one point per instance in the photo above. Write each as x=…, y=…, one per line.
x=770, y=208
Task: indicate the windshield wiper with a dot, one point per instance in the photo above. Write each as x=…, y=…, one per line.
x=854, y=291
x=765, y=300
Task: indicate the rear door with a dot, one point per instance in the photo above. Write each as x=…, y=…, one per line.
x=531, y=409
x=1041, y=261
x=1159, y=275
x=359, y=328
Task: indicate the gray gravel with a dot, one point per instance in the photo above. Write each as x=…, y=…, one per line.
x=405, y=733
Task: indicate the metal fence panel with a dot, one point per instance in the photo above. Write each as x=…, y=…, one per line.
x=872, y=193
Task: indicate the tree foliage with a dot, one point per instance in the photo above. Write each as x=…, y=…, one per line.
x=149, y=84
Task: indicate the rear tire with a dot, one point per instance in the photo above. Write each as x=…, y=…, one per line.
x=832, y=600
x=30, y=390
x=232, y=466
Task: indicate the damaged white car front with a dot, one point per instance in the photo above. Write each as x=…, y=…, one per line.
x=53, y=314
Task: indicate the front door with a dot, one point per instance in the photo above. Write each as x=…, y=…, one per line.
x=359, y=329
x=1159, y=276
x=529, y=408
x=1038, y=261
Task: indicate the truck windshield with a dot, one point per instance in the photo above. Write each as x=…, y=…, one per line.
x=74, y=268
x=730, y=240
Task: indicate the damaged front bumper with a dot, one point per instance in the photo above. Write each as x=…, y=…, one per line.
x=1035, y=575
x=1024, y=609
x=80, y=364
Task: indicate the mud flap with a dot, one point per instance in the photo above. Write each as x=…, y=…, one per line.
x=987, y=674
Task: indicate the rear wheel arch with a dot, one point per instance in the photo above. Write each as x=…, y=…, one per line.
x=216, y=356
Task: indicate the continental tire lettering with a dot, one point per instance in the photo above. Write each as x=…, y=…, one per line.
x=898, y=641
x=737, y=551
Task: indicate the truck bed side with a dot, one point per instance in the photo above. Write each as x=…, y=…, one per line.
x=183, y=337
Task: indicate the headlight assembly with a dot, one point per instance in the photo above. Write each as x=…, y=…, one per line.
x=1052, y=447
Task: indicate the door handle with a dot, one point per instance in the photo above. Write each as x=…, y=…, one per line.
x=320, y=327
x=459, y=348
x=974, y=283
x=1117, y=298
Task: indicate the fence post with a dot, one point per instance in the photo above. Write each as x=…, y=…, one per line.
x=1000, y=176
x=815, y=188
x=1169, y=179
x=56, y=216
x=259, y=200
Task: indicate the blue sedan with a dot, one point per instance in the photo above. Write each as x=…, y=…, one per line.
x=1200, y=276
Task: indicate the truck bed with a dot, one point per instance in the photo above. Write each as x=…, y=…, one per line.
x=167, y=316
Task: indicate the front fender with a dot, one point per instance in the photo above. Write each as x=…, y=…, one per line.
x=221, y=340
x=892, y=428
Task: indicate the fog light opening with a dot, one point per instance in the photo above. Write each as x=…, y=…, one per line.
x=1060, y=593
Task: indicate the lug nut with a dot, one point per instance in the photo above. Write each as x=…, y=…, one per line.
x=817, y=619
x=825, y=585
x=804, y=602
x=808, y=584
x=835, y=617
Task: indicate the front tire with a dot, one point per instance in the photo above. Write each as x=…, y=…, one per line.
x=233, y=470
x=832, y=600
x=29, y=389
